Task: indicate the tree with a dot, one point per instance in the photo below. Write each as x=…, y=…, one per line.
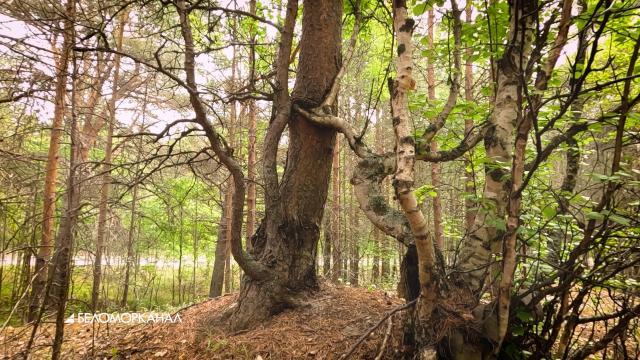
x=217, y=276
x=286, y=240
x=514, y=113
x=435, y=167
x=251, y=146
x=104, y=194
x=336, y=243
x=51, y=172
x=549, y=114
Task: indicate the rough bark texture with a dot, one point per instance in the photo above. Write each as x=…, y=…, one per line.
x=490, y=222
x=403, y=179
x=286, y=240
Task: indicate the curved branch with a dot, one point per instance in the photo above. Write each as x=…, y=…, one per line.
x=367, y=186
x=252, y=268
x=330, y=99
x=282, y=107
x=338, y=124
x=471, y=139
x=237, y=12
x=454, y=88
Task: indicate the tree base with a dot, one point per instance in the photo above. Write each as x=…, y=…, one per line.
x=259, y=301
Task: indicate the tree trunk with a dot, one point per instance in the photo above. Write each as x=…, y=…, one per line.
x=51, y=171
x=377, y=234
x=469, y=185
x=336, y=246
x=130, y=239
x=3, y=249
x=217, y=276
x=106, y=177
x=354, y=256
x=234, y=123
x=180, y=251
x=490, y=225
x=326, y=250
x=195, y=254
x=377, y=249
x=435, y=167
x=385, y=260
x=251, y=150
x=287, y=238
x=60, y=276
x=227, y=252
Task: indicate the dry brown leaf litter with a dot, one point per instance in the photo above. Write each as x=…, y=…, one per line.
x=333, y=320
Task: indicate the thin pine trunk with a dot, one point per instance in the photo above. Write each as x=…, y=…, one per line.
x=3, y=248
x=469, y=186
x=251, y=147
x=180, y=251
x=106, y=177
x=375, y=267
x=228, y=273
x=51, y=172
x=354, y=257
x=326, y=250
x=195, y=254
x=335, y=216
x=217, y=276
x=435, y=167
x=61, y=270
x=130, y=240
x=234, y=140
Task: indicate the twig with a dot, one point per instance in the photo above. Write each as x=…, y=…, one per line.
x=386, y=338
x=374, y=327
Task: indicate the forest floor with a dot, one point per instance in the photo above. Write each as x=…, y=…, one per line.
x=334, y=319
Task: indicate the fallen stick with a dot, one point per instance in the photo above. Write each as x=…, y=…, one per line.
x=374, y=327
x=386, y=338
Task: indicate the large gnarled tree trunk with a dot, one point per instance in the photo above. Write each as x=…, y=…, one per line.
x=287, y=238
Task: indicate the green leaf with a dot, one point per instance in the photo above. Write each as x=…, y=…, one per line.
x=619, y=219
x=420, y=9
x=524, y=315
x=549, y=212
x=595, y=216
x=517, y=330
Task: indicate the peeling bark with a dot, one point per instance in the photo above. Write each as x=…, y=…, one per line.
x=405, y=160
x=485, y=240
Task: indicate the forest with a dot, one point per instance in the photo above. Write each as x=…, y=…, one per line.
x=320, y=179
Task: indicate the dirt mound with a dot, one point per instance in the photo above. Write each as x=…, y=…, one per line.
x=334, y=319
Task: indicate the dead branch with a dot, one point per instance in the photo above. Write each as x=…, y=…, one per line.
x=353, y=348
